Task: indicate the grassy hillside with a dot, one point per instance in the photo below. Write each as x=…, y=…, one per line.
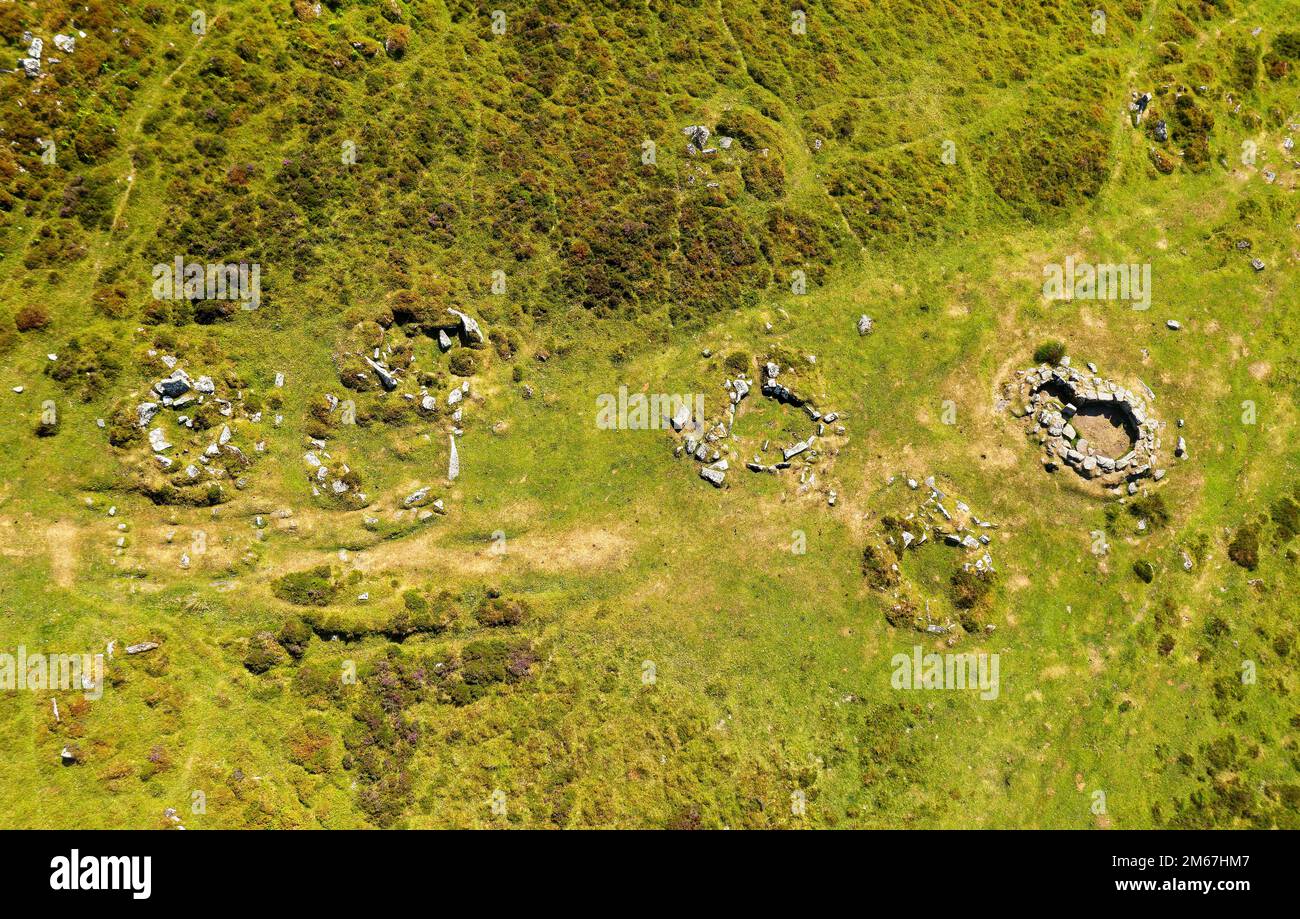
x=583, y=632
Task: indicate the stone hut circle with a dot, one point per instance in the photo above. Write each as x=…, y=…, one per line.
x=711, y=443
x=907, y=527
x=1098, y=428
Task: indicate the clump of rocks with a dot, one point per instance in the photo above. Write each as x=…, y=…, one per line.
x=191, y=404
x=423, y=503
x=933, y=519
x=31, y=62
x=697, y=140
x=336, y=481
x=700, y=439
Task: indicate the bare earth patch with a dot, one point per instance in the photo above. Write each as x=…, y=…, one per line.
x=579, y=549
x=1104, y=429
x=59, y=540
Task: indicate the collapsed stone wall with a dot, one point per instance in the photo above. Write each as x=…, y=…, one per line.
x=706, y=442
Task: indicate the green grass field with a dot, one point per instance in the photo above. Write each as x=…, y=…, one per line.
x=669, y=654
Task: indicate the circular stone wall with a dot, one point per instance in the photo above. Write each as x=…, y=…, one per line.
x=1064, y=407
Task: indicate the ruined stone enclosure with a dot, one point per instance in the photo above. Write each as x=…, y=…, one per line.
x=1099, y=429
x=720, y=443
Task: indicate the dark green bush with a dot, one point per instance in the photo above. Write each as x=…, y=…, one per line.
x=1049, y=352
x=259, y=660
x=464, y=364
x=1244, y=548
x=31, y=318
x=312, y=587
x=295, y=636
x=1286, y=516
x=1245, y=66
x=1151, y=508
x=485, y=662
x=1191, y=127
x=91, y=358
x=877, y=567
x=122, y=425
x=737, y=362
x=1287, y=45
x=499, y=611
x=969, y=587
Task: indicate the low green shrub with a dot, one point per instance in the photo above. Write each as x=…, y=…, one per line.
x=1049, y=352
x=313, y=587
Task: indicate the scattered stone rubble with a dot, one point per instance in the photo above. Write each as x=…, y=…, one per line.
x=943, y=520
x=31, y=64
x=703, y=147
x=700, y=439
x=705, y=441
x=392, y=367
x=697, y=136
x=183, y=395
x=33, y=61
x=420, y=499
x=955, y=526
x=333, y=480
x=1049, y=397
